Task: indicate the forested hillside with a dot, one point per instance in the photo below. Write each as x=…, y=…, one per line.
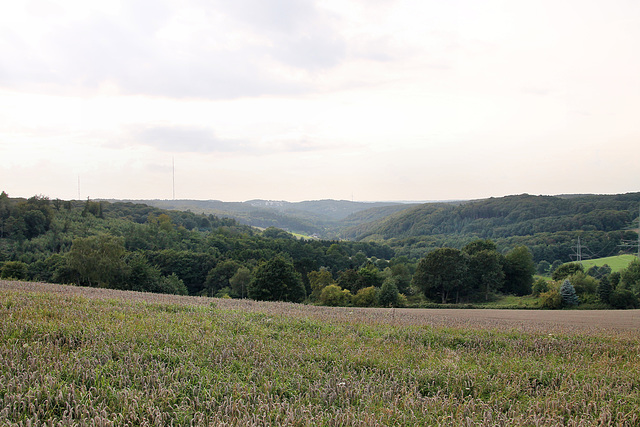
x=322, y=218
x=438, y=252
x=548, y=225
x=139, y=247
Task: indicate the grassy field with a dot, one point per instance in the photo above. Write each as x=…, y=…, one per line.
x=82, y=356
x=617, y=263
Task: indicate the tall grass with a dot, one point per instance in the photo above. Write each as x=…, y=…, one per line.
x=76, y=356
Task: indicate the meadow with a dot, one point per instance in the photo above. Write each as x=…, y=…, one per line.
x=617, y=263
x=87, y=356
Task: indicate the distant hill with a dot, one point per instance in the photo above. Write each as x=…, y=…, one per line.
x=324, y=218
x=519, y=215
x=548, y=225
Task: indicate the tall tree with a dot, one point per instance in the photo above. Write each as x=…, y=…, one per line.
x=486, y=273
x=519, y=270
x=99, y=259
x=277, y=280
x=319, y=280
x=441, y=274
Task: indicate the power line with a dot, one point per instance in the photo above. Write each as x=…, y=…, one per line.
x=633, y=243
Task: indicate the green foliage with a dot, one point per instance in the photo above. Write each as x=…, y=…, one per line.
x=389, y=295
x=366, y=297
x=277, y=280
x=548, y=226
x=14, y=270
x=539, y=286
x=485, y=272
x=240, y=282
x=368, y=275
x=583, y=284
x=604, y=289
x=630, y=277
x=598, y=272
x=333, y=295
x=319, y=280
x=480, y=246
x=441, y=274
x=519, y=270
x=543, y=267
x=99, y=260
x=219, y=276
x=566, y=270
x=551, y=299
x=568, y=293
x=172, y=284
x=623, y=299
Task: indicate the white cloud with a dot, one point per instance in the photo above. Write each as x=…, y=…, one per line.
x=295, y=99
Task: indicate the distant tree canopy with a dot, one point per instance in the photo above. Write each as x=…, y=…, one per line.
x=475, y=273
x=138, y=247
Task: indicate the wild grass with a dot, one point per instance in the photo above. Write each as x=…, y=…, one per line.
x=78, y=356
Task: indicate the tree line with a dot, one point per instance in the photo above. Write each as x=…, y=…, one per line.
x=138, y=247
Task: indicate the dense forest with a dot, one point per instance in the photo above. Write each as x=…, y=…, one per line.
x=135, y=246
x=548, y=225
x=438, y=253
x=321, y=218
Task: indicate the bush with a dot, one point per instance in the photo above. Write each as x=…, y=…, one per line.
x=334, y=295
x=172, y=284
x=402, y=300
x=583, y=284
x=366, y=297
x=566, y=270
x=623, y=299
x=539, y=286
x=14, y=270
x=551, y=299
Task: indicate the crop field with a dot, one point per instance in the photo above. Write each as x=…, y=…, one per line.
x=85, y=356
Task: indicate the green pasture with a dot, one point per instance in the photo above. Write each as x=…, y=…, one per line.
x=617, y=263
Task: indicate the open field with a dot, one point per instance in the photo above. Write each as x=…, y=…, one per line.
x=617, y=263
x=89, y=356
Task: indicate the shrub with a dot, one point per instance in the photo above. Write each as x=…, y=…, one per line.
x=172, y=284
x=14, y=270
x=623, y=299
x=366, y=297
x=551, y=299
x=539, y=286
x=566, y=270
x=334, y=295
x=583, y=284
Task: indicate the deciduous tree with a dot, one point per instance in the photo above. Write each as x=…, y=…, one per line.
x=441, y=274
x=276, y=280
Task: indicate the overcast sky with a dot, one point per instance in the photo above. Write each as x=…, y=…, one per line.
x=313, y=99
